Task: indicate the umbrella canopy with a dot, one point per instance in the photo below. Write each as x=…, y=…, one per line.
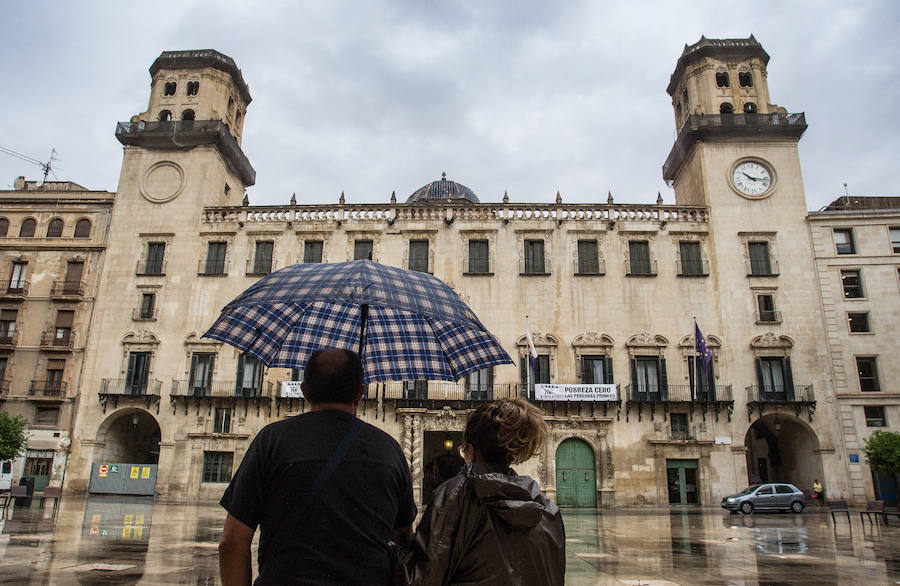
x=407, y=325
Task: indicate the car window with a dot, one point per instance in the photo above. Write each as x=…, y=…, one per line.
x=750, y=489
x=765, y=490
x=783, y=489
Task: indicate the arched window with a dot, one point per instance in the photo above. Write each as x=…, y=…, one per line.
x=237, y=119
x=83, y=228
x=187, y=115
x=750, y=108
x=165, y=115
x=55, y=228
x=722, y=79
x=193, y=87
x=169, y=88
x=745, y=78
x=726, y=108
x=27, y=228
x=4, y=227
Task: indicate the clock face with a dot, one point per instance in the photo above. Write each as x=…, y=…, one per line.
x=752, y=178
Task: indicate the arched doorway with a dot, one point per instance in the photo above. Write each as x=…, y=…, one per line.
x=782, y=449
x=129, y=435
x=576, y=474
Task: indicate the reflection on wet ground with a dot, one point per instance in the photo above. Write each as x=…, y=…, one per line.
x=115, y=540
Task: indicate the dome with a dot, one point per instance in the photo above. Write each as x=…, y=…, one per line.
x=443, y=189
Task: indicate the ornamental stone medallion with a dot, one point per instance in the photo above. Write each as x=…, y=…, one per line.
x=162, y=182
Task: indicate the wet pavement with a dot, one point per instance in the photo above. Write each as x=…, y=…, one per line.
x=114, y=540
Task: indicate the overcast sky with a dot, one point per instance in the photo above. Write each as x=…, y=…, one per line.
x=526, y=96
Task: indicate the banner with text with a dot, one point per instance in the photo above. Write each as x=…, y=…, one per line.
x=290, y=389
x=575, y=392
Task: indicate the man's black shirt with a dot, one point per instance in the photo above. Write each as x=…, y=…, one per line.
x=342, y=537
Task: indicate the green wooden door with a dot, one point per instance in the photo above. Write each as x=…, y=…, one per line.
x=576, y=479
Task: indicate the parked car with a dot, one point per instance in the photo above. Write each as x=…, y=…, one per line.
x=6, y=475
x=771, y=496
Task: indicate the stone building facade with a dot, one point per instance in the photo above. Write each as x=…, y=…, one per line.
x=52, y=244
x=611, y=291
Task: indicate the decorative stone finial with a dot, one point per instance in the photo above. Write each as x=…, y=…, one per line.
x=558, y=197
x=505, y=196
x=246, y=200
x=658, y=198
x=609, y=198
x=294, y=198
x=443, y=176
x=341, y=200
x=394, y=197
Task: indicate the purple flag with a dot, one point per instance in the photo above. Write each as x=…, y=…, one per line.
x=701, y=348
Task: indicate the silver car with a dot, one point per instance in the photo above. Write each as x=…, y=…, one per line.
x=772, y=496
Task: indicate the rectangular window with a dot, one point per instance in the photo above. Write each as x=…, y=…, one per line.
x=639, y=258
x=480, y=385
x=202, y=364
x=215, y=258
x=46, y=416
x=691, y=260
x=362, y=250
x=55, y=370
x=843, y=241
x=588, y=258
x=148, y=305
x=156, y=252
x=249, y=376
x=63, y=329
x=760, y=263
x=17, y=282
x=534, y=257
x=262, y=257
x=312, y=251
x=4, y=362
x=875, y=416
x=868, y=374
x=418, y=255
x=138, y=373
x=679, y=426
x=772, y=378
x=222, y=422
x=479, y=263
x=648, y=376
x=415, y=389
x=895, y=240
x=217, y=466
x=852, y=284
x=596, y=370
x=859, y=322
x=703, y=390
x=541, y=374
x=8, y=324
x=766, y=305
x=72, y=284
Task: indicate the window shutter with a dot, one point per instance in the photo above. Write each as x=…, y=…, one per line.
x=587, y=375
x=240, y=371
x=759, y=376
x=634, y=377
x=710, y=381
x=523, y=372
x=64, y=319
x=663, y=380
x=609, y=370
x=490, y=379
x=788, y=380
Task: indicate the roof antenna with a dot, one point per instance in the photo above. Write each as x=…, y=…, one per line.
x=46, y=167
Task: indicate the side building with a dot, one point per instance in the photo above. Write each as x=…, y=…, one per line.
x=857, y=245
x=611, y=291
x=52, y=245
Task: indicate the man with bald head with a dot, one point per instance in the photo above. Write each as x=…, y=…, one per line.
x=326, y=490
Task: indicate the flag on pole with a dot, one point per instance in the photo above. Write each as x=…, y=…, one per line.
x=532, y=351
x=701, y=348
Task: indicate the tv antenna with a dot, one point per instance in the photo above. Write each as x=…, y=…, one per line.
x=47, y=167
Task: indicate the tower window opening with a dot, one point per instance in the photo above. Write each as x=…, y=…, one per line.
x=187, y=115
x=726, y=108
x=193, y=87
x=165, y=115
x=169, y=88
x=237, y=118
x=750, y=108
x=230, y=104
x=745, y=78
x=678, y=110
x=722, y=79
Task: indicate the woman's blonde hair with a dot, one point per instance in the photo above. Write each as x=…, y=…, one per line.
x=508, y=431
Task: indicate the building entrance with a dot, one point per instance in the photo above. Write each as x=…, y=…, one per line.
x=682, y=481
x=440, y=458
x=576, y=474
x=783, y=449
x=126, y=463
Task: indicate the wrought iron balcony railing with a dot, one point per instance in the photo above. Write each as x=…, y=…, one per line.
x=67, y=289
x=144, y=314
x=443, y=391
x=261, y=267
x=780, y=394
x=767, y=317
x=47, y=388
x=479, y=266
x=15, y=289
x=762, y=268
x=57, y=339
x=692, y=268
x=590, y=266
x=125, y=387
x=232, y=388
x=537, y=266
x=210, y=267
x=679, y=394
x=150, y=268
x=9, y=339
x=4, y=387
x=640, y=268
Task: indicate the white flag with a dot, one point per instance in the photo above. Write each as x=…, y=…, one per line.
x=531, y=349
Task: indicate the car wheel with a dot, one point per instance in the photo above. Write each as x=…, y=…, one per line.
x=797, y=507
x=746, y=507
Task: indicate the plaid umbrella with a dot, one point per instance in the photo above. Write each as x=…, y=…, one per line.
x=406, y=325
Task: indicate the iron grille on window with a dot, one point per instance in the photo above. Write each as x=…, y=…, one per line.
x=851, y=284
x=217, y=466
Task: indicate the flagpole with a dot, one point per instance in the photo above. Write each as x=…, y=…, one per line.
x=529, y=391
x=696, y=371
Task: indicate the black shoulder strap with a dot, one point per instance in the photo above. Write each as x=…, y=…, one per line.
x=324, y=475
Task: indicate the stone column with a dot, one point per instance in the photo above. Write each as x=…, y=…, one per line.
x=165, y=469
